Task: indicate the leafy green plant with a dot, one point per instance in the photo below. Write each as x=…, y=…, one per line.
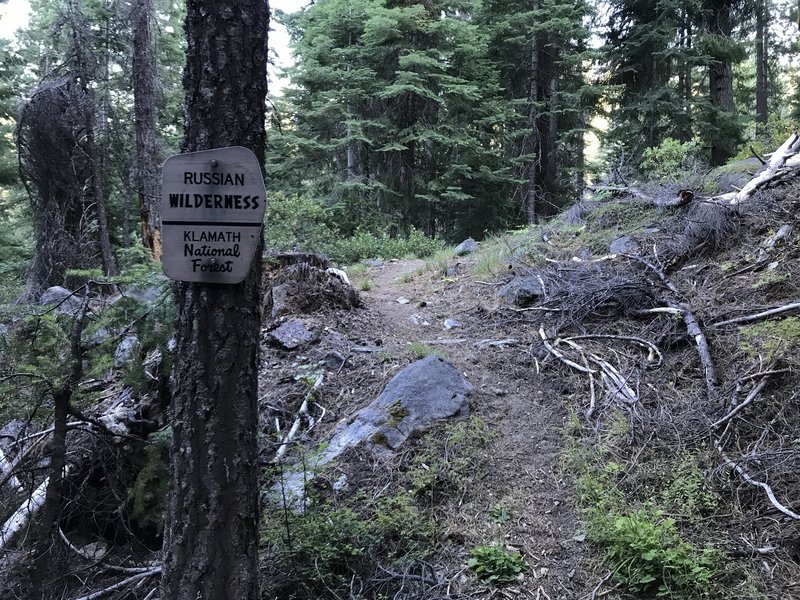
x=647, y=554
x=499, y=514
x=496, y=565
x=671, y=158
x=643, y=547
x=687, y=494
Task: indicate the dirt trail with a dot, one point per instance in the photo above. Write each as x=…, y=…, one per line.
x=524, y=411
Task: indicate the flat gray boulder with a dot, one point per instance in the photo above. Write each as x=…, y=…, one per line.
x=291, y=335
x=423, y=393
x=468, y=246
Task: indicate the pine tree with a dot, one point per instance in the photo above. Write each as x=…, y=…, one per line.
x=396, y=116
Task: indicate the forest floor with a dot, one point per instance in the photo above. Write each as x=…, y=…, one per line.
x=610, y=456
x=522, y=473
x=519, y=496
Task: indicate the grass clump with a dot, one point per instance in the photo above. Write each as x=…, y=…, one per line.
x=420, y=350
x=343, y=542
x=447, y=462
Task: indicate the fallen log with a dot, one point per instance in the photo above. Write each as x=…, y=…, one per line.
x=785, y=161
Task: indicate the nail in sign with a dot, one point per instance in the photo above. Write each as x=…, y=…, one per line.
x=212, y=211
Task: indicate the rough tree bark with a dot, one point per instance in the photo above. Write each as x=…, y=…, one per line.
x=761, y=65
x=211, y=536
x=147, y=157
x=720, y=82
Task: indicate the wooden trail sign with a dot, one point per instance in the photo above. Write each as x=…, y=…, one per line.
x=212, y=211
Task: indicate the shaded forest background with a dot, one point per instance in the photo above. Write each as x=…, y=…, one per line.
x=402, y=121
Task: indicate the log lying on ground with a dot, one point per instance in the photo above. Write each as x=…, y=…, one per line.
x=785, y=161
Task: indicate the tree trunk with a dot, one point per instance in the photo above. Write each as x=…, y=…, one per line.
x=533, y=144
x=761, y=66
x=211, y=535
x=720, y=79
x=146, y=151
x=100, y=201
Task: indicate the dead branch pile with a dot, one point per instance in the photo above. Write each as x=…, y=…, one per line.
x=594, y=290
x=304, y=283
x=729, y=385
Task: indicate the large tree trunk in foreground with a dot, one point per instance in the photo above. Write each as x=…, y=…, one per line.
x=211, y=538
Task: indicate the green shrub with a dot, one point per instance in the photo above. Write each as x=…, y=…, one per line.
x=643, y=547
x=647, y=554
x=495, y=565
x=671, y=159
x=297, y=220
x=366, y=244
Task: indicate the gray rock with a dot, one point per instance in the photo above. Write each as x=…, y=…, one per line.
x=522, y=291
x=468, y=246
x=66, y=301
x=452, y=323
x=290, y=335
x=375, y=262
x=125, y=349
x=333, y=360
x=10, y=432
x=423, y=393
x=624, y=245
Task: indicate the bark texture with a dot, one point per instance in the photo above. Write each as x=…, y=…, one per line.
x=211, y=537
x=720, y=80
x=148, y=156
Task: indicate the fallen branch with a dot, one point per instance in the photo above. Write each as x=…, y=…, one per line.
x=22, y=516
x=784, y=159
x=759, y=484
x=7, y=473
x=490, y=343
x=751, y=397
x=122, y=584
x=303, y=412
x=559, y=355
x=654, y=351
x=692, y=327
x=758, y=316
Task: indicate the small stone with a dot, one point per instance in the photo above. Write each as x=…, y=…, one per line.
x=334, y=360
x=125, y=349
x=403, y=300
x=452, y=323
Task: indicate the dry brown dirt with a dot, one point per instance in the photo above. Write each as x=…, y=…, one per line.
x=522, y=404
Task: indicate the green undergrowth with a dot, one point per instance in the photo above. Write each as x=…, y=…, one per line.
x=644, y=515
x=771, y=340
x=349, y=540
x=299, y=221
x=36, y=349
x=561, y=239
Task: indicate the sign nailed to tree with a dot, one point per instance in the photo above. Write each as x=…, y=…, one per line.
x=212, y=210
